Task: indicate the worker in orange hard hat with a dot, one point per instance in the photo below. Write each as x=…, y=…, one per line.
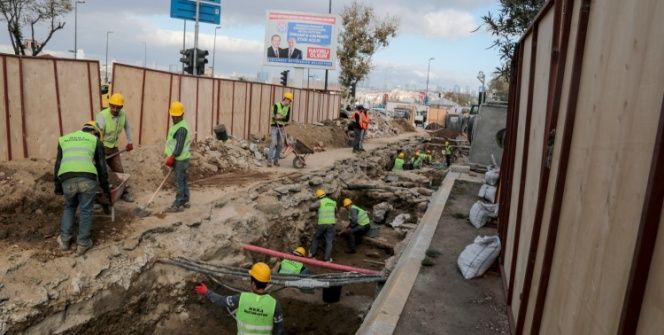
x=112, y=121
x=281, y=113
x=256, y=312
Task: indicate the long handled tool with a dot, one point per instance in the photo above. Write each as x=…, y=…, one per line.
x=142, y=211
x=115, y=154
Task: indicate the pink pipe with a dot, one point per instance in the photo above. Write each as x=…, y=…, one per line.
x=308, y=261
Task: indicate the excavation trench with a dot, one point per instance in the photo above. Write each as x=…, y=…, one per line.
x=121, y=288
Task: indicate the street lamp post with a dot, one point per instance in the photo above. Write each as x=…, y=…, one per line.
x=76, y=27
x=329, y=11
x=145, y=54
x=214, y=48
x=426, y=97
x=106, y=66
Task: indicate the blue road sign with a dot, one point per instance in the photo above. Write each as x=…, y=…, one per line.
x=209, y=12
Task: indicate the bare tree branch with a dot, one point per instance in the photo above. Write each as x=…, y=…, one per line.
x=28, y=14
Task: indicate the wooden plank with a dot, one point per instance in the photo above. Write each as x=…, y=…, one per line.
x=129, y=83
x=651, y=320
x=225, y=102
x=74, y=94
x=240, y=109
x=5, y=127
x=39, y=96
x=620, y=86
x=205, y=107
x=188, y=98
x=155, y=107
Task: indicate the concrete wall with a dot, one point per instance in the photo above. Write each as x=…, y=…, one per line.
x=581, y=225
x=488, y=123
x=244, y=107
x=42, y=99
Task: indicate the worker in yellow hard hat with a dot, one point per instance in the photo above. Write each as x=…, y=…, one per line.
x=111, y=121
x=256, y=312
x=399, y=161
x=177, y=152
x=291, y=267
x=327, y=218
x=359, y=225
x=79, y=164
x=281, y=112
x=417, y=160
x=428, y=157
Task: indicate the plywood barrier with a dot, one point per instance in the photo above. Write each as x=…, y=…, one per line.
x=586, y=193
x=42, y=99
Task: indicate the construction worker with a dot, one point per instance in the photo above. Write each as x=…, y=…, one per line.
x=398, y=162
x=358, y=227
x=447, y=152
x=428, y=157
x=417, y=160
x=291, y=267
x=361, y=119
x=177, y=155
x=256, y=312
x=111, y=121
x=79, y=164
x=280, y=117
x=327, y=209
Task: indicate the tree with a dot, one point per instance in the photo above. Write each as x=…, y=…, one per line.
x=508, y=25
x=28, y=14
x=462, y=99
x=499, y=86
x=363, y=34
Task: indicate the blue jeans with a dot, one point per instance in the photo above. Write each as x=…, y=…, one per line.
x=357, y=143
x=323, y=231
x=276, y=145
x=363, y=134
x=78, y=191
x=182, y=188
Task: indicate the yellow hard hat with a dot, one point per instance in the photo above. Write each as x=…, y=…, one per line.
x=299, y=251
x=288, y=95
x=261, y=272
x=347, y=202
x=92, y=127
x=176, y=109
x=116, y=99
x=320, y=193
x=401, y=155
x=417, y=152
x=446, y=143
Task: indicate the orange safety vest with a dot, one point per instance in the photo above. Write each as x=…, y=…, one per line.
x=364, y=121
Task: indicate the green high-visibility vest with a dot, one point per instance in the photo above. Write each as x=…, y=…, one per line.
x=255, y=313
x=398, y=164
x=290, y=267
x=326, y=211
x=362, y=216
x=417, y=161
x=171, y=142
x=112, y=129
x=281, y=111
x=78, y=152
x=448, y=149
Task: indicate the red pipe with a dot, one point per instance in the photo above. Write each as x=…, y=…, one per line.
x=308, y=261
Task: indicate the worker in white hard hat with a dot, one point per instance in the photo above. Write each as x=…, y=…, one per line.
x=281, y=112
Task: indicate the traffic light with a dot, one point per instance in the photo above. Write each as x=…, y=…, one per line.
x=201, y=60
x=353, y=87
x=187, y=60
x=284, y=78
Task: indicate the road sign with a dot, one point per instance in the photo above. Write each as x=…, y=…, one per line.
x=210, y=11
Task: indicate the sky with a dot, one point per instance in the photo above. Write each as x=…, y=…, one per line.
x=441, y=29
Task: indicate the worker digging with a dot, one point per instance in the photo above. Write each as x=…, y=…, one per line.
x=79, y=164
x=177, y=152
x=359, y=225
x=293, y=267
x=281, y=113
x=112, y=121
x=327, y=209
x=255, y=312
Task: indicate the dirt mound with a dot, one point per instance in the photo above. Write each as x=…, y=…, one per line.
x=332, y=135
x=402, y=125
x=445, y=133
x=433, y=126
x=26, y=186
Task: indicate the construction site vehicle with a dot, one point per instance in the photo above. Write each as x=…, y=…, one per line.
x=106, y=90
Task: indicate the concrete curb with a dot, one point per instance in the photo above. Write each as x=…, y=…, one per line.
x=384, y=314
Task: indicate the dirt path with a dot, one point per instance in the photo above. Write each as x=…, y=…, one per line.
x=442, y=302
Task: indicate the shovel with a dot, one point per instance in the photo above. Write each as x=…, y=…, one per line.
x=115, y=154
x=142, y=211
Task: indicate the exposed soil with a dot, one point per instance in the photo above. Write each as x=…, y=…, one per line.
x=311, y=135
x=442, y=301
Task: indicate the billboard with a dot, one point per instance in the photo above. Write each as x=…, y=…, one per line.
x=300, y=39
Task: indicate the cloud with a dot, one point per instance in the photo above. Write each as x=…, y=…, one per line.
x=448, y=23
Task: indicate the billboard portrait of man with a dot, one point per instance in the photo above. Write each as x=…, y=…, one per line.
x=292, y=52
x=274, y=51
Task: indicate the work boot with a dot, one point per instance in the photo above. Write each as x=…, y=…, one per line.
x=329, y=260
x=187, y=205
x=276, y=163
x=62, y=244
x=126, y=197
x=80, y=250
x=269, y=163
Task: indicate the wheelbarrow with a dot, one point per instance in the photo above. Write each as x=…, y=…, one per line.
x=300, y=150
x=116, y=193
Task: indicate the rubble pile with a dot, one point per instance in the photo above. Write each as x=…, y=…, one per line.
x=211, y=156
